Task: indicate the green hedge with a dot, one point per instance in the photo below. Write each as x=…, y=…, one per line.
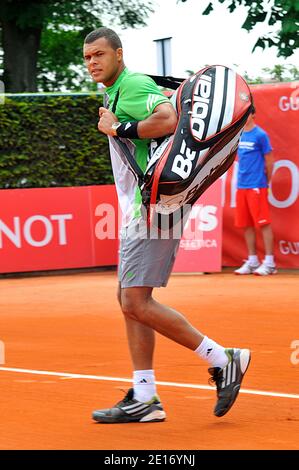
x=52, y=141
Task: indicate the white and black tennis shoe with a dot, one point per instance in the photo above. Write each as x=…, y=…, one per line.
x=228, y=380
x=130, y=410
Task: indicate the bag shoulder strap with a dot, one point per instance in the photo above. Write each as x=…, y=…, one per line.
x=122, y=145
x=132, y=162
x=115, y=101
x=166, y=81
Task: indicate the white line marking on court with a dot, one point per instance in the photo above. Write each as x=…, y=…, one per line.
x=121, y=379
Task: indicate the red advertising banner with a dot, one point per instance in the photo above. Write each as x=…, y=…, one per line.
x=44, y=229
x=201, y=243
x=277, y=111
x=64, y=228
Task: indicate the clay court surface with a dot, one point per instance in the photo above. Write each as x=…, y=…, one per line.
x=56, y=326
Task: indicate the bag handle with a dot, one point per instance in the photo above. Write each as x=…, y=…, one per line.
x=115, y=102
x=167, y=81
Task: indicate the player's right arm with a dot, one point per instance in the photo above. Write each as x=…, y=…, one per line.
x=161, y=122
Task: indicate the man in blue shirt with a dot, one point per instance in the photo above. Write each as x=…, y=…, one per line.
x=252, y=207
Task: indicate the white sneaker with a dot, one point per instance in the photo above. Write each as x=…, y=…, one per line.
x=247, y=268
x=264, y=270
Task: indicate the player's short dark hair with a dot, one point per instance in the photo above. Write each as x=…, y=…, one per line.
x=106, y=33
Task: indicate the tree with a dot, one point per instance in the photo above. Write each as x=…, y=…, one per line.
x=282, y=73
x=283, y=13
x=279, y=73
x=42, y=39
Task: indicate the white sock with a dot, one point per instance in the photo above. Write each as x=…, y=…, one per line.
x=253, y=260
x=144, y=385
x=212, y=352
x=269, y=260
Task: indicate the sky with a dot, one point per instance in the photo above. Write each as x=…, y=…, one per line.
x=198, y=40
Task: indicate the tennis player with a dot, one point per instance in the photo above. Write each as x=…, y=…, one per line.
x=136, y=112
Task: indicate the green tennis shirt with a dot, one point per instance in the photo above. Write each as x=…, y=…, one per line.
x=138, y=97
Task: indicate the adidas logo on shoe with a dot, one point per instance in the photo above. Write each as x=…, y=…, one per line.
x=130, y=410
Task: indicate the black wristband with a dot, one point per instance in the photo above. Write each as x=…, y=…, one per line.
x=128, y=130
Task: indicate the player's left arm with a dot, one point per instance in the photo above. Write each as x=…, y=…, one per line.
x=161, y=122
x=152, y=114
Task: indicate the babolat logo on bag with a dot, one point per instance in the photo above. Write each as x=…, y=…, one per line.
x=200, y=108
x=212, y=107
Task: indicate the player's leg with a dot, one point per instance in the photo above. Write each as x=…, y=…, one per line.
x=268, y=239
x=261, y=215
x=243, y=220
x=250, y=239
x=264, y=222
x=141, y=403
x=227, y=371
x=141, y=314
x=138, y=305
x=268, y=266
x=228, y=365
x=141, y=341
x=149, y=263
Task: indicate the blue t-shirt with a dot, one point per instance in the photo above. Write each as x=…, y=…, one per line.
x=253, y=147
